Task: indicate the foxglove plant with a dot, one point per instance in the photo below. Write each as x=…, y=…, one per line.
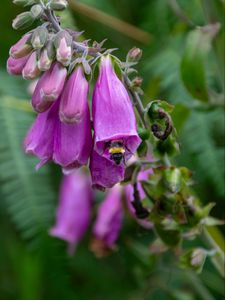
x=158, y=193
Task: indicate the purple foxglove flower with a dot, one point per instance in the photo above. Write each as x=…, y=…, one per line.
x=49, y=87
x=21, y=48
x=74, y=97
x=40, y=138
x=109, y=222
x=73, y=142
x=129, y=192
x=31, y=71
x=74, y=209
x=113, y=114
x=15, y=66
x=67, y=145
x=104, y=173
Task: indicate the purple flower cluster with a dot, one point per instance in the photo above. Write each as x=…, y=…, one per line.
x=62, y=131
x=73, y=215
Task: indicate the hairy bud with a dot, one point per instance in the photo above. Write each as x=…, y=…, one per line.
x=134, y=55
x=31, y=70
x=58, y=4
x=23, y=20
x=63, y=44
x=22, y=47
x=39, y=37
x=46, y=57
x=24, y=2
x=36, y=11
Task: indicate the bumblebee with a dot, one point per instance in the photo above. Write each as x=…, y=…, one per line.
x=117, y=151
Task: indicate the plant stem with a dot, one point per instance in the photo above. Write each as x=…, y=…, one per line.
x=218, y=259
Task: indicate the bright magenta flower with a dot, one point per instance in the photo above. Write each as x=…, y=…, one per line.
x=74, y=97
x=67, y=145
x=113, y=114
x=104, y=173
x=74, y=209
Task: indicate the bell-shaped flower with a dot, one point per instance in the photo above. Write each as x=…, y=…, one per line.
x=49, y=87
x=15, y=66
x=104, y=173
x=113, y=114
x=22, y=47
x=40, y=138
x=108, y=223
x=129, y=193
x=73, y=142
x=74, y=209
x=31, y=71
x=74, y=97
x=67, y=145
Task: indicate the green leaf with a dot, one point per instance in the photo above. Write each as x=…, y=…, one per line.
x=193, y=63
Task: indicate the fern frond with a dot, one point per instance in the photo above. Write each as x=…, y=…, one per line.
x=28, y=195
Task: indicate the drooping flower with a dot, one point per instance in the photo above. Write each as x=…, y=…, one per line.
x=15, y=66
x=129, y=192
x=73, y=142
x=49, y=87
x=74, y=209
x=40, y=138
x=21, y=48
x=67, y=145
x=104, y=173
x=108, y=223
x=113, y=114
x=74, y=97
x=31, y=71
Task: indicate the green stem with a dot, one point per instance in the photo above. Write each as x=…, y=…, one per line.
x=218, y=259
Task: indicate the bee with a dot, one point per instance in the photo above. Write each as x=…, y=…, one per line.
x=117, y=151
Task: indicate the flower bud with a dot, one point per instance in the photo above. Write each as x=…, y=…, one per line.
x=15, y=66
x=134, y=55
x=46, y=57
x=58, y=4
x=21, y=48
x=31, y=70
x=23, y=20
x=24, y=2
x=74, y=97
x=36, y=11
x=39, y=37
x=63, y=44
x=49, y=87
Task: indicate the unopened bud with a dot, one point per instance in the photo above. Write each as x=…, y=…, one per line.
x=24, y=2
x=31, y=70
x=22, y=21
x=134, y=55
x=46, y=57
x=172, y=179
x=58, y=4
x=36, y=11
x=63, y=44
x=39, y=37
x=137, y=82
x=22, y=47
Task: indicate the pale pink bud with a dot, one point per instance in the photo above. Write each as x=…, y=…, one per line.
x=31, y=70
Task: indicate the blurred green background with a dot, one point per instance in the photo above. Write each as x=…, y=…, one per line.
x=34, y=266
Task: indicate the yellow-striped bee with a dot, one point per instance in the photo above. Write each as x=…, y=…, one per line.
x=117, y=151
